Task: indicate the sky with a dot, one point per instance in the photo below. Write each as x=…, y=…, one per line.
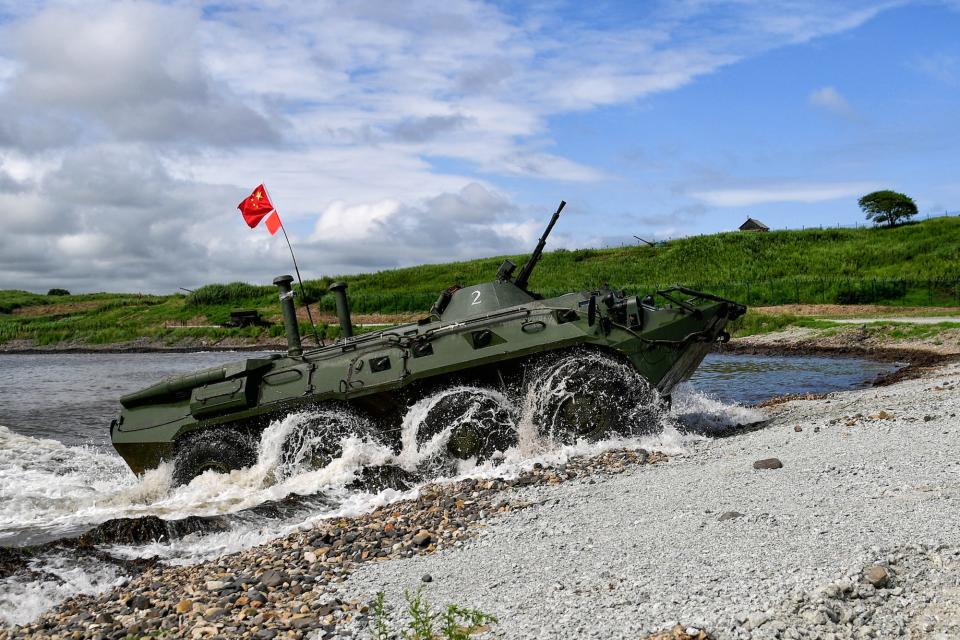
x=392, y=134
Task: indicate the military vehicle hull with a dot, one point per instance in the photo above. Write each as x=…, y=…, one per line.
x=381, y=374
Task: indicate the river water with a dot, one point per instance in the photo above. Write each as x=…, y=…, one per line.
x=71, y=398
x=59, y=475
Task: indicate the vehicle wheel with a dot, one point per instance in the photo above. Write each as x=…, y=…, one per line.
x=216, y=449
x=591, y=396
x=316, y=439
x=479, y=424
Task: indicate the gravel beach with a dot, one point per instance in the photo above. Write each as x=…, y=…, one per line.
x=869, y=477
x=852, y=531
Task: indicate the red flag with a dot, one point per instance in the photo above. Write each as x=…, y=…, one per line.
x=255, y=207
x=273, y=223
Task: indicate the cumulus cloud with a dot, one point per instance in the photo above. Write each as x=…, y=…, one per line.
x=128, y=131
x=472, y=222
x=131, y=70
x=830, y=100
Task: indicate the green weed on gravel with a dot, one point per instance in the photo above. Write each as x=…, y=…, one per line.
x=424, y=623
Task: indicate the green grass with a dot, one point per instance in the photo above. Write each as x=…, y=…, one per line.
x=424, y=623
x=846, y=265
x=754, y=323
x=906, y=331
x=915, y=264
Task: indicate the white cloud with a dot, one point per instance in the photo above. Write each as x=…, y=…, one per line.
x=383, y=130
x=83, y=245
x=341, y=221
x=829, y=99
x=790, y=192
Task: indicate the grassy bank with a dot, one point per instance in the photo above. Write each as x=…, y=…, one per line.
x=915, y=264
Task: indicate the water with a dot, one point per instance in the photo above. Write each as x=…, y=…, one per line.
x=72, y=397
x=59, y=476
x=747, y=379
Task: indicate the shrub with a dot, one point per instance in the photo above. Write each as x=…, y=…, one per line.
x=870, y=291
x=455, y=622
x=58, y=292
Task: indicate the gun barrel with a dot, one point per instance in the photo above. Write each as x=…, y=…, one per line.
x=524, y=276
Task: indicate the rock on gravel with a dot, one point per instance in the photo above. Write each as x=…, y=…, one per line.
x=878, y=576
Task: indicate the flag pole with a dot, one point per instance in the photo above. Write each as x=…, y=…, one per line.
x=303, y=293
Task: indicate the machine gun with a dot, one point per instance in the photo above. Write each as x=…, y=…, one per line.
x=527, y=269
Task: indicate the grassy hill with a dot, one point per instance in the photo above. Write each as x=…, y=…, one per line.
x=913, y=264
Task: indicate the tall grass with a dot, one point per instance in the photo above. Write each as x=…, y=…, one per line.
x=915, y=264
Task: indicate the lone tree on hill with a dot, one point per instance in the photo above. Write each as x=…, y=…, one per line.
x=887, y=206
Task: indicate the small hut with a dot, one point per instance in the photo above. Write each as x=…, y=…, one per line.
x=753, y=225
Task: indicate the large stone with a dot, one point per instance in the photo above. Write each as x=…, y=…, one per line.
x=272, y=578
x=768, y=463
x=877, y=575
x=422, y=538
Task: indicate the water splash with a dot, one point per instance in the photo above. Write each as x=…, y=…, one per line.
x=696, y=413
x=49, y=490
x=22, y=601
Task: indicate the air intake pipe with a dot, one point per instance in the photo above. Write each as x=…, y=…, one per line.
x=339, y=290
x=294, y=346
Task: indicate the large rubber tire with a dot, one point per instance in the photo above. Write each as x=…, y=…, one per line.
x=319, y=440
x=218, y=449
x=592, y=397
x=481, y=426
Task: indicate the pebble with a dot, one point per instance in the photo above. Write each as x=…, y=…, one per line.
x=283, y=585
x=768, y=463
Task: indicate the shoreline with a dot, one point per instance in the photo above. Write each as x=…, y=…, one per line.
x=882, y=451
x=746, y=346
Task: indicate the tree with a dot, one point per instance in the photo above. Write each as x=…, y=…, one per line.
x=58, y=292
x=887, y=207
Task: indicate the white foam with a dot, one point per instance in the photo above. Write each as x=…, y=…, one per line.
x=700, y=413
x=22, y=601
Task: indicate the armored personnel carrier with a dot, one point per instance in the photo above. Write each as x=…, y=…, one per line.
x=590, y=357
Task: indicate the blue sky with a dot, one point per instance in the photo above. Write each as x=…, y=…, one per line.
x=394, y=134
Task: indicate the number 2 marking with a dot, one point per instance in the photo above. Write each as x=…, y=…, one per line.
x=476, y=298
